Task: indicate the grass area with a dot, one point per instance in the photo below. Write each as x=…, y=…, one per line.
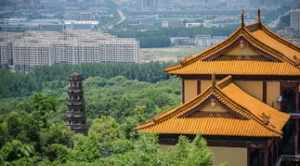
x=166, y=54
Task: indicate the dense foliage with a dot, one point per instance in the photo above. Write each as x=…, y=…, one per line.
x=17, y=84
x=32, y=130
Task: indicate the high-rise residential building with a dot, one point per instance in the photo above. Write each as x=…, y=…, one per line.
x=3, y=55
x=27, y=50
x=6, y=39
x=205, y=41
x=295, y=20
x=147, y=5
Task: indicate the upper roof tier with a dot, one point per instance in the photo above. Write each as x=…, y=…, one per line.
x=221, y=110
x=246, y=48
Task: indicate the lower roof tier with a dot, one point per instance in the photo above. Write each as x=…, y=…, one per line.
x=221, y=110
x=255, y=68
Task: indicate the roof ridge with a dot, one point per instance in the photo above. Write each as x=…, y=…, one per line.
x=281, y=39
x=224, y=82
x=256, y=43
x=241, y=31
x=169, y=113
x=269, y=49
x=223, y=98
x=206, y=51
x=261, y=26
x=254, y=26
x=203, y=96
x=254, y=117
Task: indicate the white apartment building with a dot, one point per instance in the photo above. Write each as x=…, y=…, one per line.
x=3, y=55
x=69, y=47
x=6, y=39
x=205, y=41
x=295, y=20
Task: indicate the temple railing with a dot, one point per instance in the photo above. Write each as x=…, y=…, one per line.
x=295, y=116
x=288, y=160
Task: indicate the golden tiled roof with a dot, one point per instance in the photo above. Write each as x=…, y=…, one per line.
x=253, y=111
x=249, y=67
x=259, y=37
x=284, y=48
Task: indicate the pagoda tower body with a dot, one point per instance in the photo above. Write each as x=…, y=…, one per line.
x=75, y=116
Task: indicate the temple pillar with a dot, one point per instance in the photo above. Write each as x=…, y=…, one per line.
x=272, y=156
x=296, y=138
x=266, y=156
x=182, y=91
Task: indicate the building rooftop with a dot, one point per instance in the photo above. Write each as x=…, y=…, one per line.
x=248, y=45
x=224, y=109
x=246, y=67
x=241, y=115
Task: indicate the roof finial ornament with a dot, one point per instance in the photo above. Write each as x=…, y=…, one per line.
x=242, y=18
x=258, y=16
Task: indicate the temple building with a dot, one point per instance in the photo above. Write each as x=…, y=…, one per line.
x=242, y=95
x=75, y=117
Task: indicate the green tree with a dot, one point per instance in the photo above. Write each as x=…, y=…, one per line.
x=193, y=153
x=57, y=152
x=57, y=133
x=84, y=149
x=199, y=154
x=104, y=129
x=3, y=134
x=15, y=150
x=40, y=106
x=22, y=126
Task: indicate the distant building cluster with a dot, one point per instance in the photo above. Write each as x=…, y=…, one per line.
x=147, y=5
x=200, y=41
x=295, y=20
x=78, y=24
x=23, y=51
x=23, y=24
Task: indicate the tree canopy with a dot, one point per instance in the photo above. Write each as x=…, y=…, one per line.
x=32, y=131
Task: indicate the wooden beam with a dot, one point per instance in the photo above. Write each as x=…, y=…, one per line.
x=242, y=77
x=264, y=97
x=296, y=146
x=226, y=144
x=198, y=87
x=249, y=152
x=273, y=160
x=266, y=156
x=182, y=91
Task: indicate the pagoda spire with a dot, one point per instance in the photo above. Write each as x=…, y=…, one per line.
x=259, y=16
x=75, y=117
x=243, y=18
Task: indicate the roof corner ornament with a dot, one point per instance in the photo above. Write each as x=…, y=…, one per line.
x=266, y=118
x=297, y=60
x=259, y=16
x=243, y=18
